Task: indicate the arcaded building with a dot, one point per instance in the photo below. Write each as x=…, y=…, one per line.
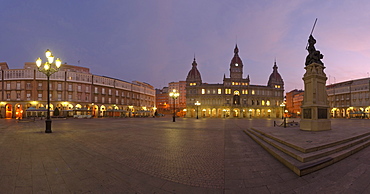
x=236, y=97
x=350, y=99
x=74, y=91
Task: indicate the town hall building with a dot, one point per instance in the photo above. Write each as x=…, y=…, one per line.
x=235, y=97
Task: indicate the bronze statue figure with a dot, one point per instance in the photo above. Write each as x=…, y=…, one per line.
x=314, y=56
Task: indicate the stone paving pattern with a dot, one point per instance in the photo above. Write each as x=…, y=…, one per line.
x=156, y=155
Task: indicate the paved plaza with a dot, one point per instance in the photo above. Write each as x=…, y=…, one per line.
x=156, y=155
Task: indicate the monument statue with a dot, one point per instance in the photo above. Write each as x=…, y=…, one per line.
x=315, y=105
x=314, y=56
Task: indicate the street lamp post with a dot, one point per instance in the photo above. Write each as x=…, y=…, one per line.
x=49, y=68
x=155, y=111
x=283, y=116
x=197, y=104
x=282, y=105
x=174, y=95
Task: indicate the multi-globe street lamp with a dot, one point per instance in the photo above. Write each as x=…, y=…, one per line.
x=197, y=104
x=49, y=68
x=174, y=94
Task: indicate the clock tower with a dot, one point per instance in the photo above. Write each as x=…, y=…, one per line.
x=236, y=66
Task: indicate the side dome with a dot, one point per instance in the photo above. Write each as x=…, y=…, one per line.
x=194, y=75
x=275, y=79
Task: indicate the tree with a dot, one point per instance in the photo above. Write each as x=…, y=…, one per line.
x=56, y=111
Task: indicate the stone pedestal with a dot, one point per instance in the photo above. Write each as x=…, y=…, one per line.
x=315, y=106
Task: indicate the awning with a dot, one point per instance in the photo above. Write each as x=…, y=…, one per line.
x=33, y=109
x=115, y=110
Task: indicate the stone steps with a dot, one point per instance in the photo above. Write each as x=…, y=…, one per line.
x=306, y=160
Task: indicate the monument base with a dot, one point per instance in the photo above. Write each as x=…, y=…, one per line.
x=315, y=125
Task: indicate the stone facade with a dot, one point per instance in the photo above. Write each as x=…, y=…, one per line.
x=235, y=97
x=350, y=99
x=294, y=100
x=74, y=90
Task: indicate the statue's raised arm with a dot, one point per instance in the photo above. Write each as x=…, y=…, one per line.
x=314, y=56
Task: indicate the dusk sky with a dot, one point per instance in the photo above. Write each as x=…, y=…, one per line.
x=155, y=41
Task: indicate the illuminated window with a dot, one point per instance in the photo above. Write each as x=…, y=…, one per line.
x=268, y=102
x=219, y=91
x=232, y=83
x=263, y=103
x=253, y=92
x=193, y=84
x=227, y=91
x=203, y=91
x=236, y=92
